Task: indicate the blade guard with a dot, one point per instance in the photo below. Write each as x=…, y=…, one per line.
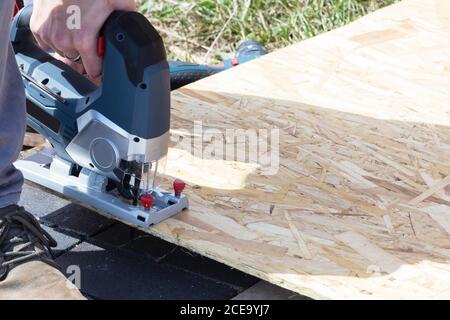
x=135, y=94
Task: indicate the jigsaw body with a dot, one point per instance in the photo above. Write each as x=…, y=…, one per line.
x=106, y=140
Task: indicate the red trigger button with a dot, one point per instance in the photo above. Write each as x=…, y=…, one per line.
x=101, y=46
x=16, y=9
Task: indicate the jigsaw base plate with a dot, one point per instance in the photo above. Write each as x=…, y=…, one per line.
x=89, y=188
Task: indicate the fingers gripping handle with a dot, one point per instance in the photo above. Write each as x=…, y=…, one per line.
x=119, y=25
x=127, y=33
x=21, y=34
x=53, y=72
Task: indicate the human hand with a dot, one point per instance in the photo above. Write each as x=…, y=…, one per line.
x=49, y=26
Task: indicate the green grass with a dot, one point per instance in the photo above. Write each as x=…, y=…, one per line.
x=206, y=30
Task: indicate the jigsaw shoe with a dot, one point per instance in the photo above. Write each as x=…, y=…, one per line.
x=27, y=269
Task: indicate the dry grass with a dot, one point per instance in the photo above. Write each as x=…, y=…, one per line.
x=206, y=30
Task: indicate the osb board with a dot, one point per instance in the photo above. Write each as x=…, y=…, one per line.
x=364, y=115
x=360, y=205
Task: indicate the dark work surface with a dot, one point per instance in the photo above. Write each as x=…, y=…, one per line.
x=129, y=239
x=110, y=273
x=40, y=203
x=77, y=220
x=65, y=242
x=120, y=262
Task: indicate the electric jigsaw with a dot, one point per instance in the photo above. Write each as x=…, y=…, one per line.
x=107, y=140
